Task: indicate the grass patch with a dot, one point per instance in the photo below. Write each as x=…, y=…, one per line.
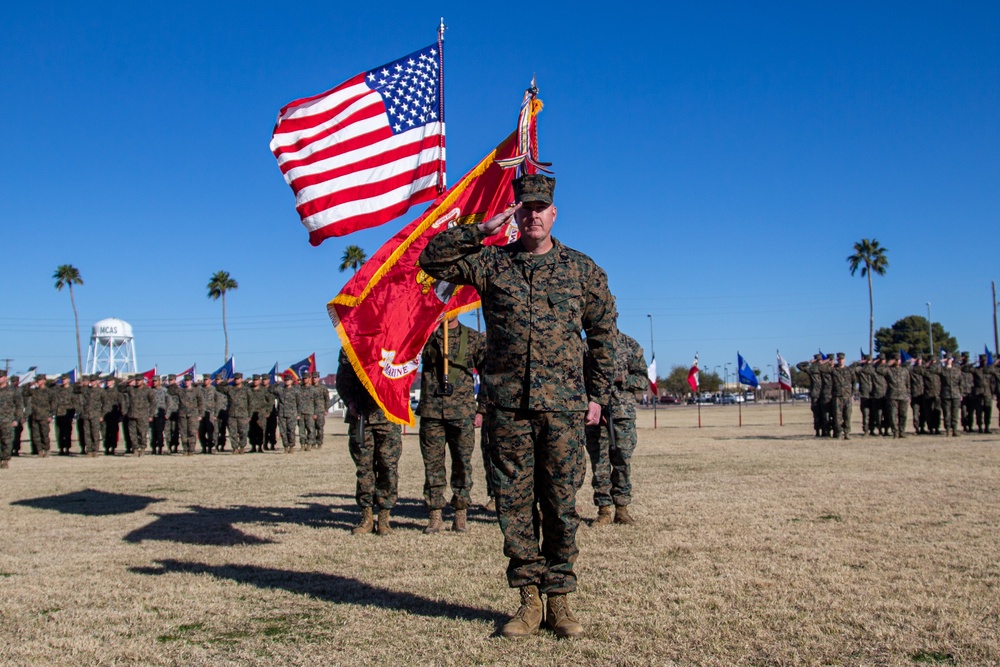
x=933, y=658
x=829, y=517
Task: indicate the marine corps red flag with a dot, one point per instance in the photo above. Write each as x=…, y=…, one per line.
x=387, y=311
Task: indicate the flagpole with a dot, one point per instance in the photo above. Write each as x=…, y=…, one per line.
x=781, y=391
x=652, y=351
x=442, y=184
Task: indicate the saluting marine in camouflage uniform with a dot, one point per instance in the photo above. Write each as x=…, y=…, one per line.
x=113, y=401
x=208, y=428
x=190, y=412
x=173, y=436
x=306, y=401
x=261, y=402
x=842, y=379
x=64, y=408
x=448, y=421
x=92, y=416
x=537, y=297
x=984, y=377
x=897, y=379
x=40, y=415
x=951, y=396
x=322, y=407
x=80, y=391
x=288, y=410
x=811, y=369
x=238, y=409
x=271, y=421
x=611, y=464
x=140, y=408
x=158, y=423
x=863, y=372
x=931, y=403
x=968, y=409
x=375, y=451
x=917, y=394
x=11, y=413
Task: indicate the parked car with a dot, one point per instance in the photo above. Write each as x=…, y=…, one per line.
x=800, y=397
x=668, y=400
x=727, y=399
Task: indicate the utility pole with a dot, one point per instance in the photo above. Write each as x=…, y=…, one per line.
x=6, y=364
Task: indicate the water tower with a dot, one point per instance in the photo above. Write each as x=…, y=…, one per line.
x=112, y=348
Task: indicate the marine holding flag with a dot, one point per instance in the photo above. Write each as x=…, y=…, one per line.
x=537, y=297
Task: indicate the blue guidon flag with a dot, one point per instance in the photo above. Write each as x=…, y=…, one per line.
x=746, y=374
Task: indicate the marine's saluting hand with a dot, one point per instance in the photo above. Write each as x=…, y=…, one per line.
x=491, y=226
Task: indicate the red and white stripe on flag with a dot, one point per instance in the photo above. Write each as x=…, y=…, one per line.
x=651, y=374
x=361, y=154
x=693, y=379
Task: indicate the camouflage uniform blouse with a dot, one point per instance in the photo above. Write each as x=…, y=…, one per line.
x=536, y=307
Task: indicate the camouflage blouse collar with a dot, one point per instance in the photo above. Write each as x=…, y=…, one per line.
x=558, y=253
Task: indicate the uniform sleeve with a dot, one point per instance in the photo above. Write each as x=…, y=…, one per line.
x=637, y=380
x=453, y=255
x=599, y=323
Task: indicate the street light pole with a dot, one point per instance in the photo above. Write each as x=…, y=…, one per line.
x=725, y=382
x=996, y=339
x=930, y=327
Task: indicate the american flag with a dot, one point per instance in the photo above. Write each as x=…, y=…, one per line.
x=361, y=154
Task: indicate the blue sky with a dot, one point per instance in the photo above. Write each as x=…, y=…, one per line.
x=718, y=161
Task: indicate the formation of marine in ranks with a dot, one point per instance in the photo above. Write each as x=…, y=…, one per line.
x=942, y=394
x=169, y=416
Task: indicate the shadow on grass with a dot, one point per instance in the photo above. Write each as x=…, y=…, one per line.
x=91, y=502
x=327, y=587
x=218, y=526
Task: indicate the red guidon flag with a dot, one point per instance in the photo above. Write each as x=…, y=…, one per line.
x=361, y=154
x=387, y=311
x=693, y=375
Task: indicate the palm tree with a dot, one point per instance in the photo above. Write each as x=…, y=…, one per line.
x=870, y=257
x=67, y=275
x=353, y=258
x=221, y=283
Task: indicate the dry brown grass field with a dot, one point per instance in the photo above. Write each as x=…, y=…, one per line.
x=758, y=545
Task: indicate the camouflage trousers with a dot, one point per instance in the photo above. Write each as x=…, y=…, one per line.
x=187, y=429
x=983, y=406
x=917, y=408
x=320, y=429
x=484, y=447
x=866, y=409
x=39, y=435
x=64, y=432
x=271, y=430
x=6, y=439
x=377, y=461
x=611, y=465
x=138, y=428
x=255, y=431
x=287, y=426
x=842, y=410
x=898, y=408
x=207, y=430
x=91, y=433
x=239, y=429
x=111, y=428
x=952, y=413
x=931, y=414
x=457, y=437
x=307, y=431
x=537, y=464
